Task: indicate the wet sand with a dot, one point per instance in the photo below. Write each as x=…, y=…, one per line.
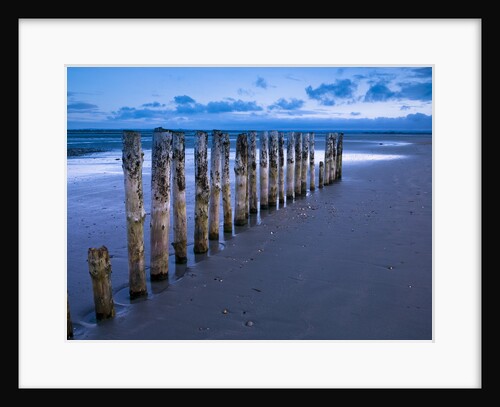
x=352, y=261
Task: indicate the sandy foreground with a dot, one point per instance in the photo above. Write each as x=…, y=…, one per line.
x=352, y=261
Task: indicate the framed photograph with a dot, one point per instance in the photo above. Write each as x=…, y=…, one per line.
x=290, y=203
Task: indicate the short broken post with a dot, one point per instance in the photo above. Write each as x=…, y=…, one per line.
x=202, y=193
x=226, y=186
x=273, y=169
x=281, y=169
x=298, y=164
x=321, y=174
x=290, y=166
x=179, y=198
x=69, y=334
x=264, y=175
x=305, y=161
x=312, y=182
x=252, y=172
x=340, y=151
x=161, y=163
x=132, y=158
x=100, y=272
x=240, y=171
x=215, y=186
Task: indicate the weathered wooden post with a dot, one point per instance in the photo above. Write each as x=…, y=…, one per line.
x=298, y=164
x=332, y=158
x=179, y=198
x=240, y=170
x=132, y=158
x=290, y=166
x=252, y=172
x=202, y=193
x=312, y=182
x=321, y=173
x=340, y=151
x=305, y=160
x=215, y=186
x=100, y=272
x=161, y=164
x=281, y=165
x=273, y=169
x=226, y=185
x=70, y=324
x=264, y=175
x=326, y=177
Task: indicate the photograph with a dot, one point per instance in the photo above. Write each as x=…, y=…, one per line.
x=249, y=202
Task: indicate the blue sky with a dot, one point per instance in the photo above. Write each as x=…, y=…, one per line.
x=244, y=98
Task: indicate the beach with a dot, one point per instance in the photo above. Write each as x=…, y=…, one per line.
x=351, y=261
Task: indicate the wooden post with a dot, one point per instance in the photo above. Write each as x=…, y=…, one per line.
x=290, y=166
x=161, y=163
x=340, y=151
x=264, y=176
x=252, y=172
x=70, y=324
x=332, y=158
x=305, y=160
x=132, y=158
x=281, y=165
x=179, y=199
x=100, y=272
x=321, y=173
x=326, y=177
x=273, y=169
x=240, y=170
x=312, y=182
x=215, y=186
x=298, y=164
x=226, y=185
x=202, y=193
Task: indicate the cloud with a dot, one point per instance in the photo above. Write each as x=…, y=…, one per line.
x=153, y=104
x=422, y=72
x=81, y=107
x=379, y=93
x=416, y=91
x=418, y=118
x=232, y=106
x=131, y=113
x=293, y=78
x=244, y=92
x=326, y=93
x=405, y=107
x=261, y=83
x=187, y=105
x=184, y=99
x=190, y=108
x=410, y=123
x=355, y=113
x=283, y=104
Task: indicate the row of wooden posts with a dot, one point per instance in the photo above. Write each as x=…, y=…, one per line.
x=168, y=177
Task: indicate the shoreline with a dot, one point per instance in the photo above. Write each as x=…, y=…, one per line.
x=352, y=261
